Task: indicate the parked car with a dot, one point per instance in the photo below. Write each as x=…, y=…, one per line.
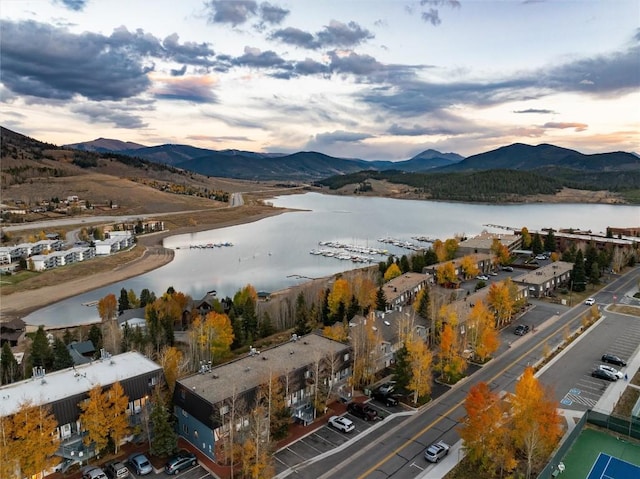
x=590, y=301
x=493, y=273
x=140, y=464
x=341, y=423
x=611, y=370
x=363, y=411
x=613, y=359
x=482, y=277
x=386, y=399
x=93, y=472
x=387, y=388
x=436, y=451
x=182, y=460
x=508, y=268
x=521, y=330
x=602, y=374
x=116, y=470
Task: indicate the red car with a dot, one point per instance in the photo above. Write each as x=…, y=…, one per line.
x=363, y=411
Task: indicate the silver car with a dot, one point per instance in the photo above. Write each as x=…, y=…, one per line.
x=140, y=464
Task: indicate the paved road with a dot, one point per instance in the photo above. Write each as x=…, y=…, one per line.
x=395, y=448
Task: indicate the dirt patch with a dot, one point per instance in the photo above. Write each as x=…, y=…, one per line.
x=624, y=309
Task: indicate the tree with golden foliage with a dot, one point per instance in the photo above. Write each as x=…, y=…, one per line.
x=365, y=343
x=452, y=365
x=94, y=421
x=451, y=247
x=481, y=331
x=211, y=338
x=171, y=360
x=364, y=288
x=8, y=449
x=501, y=298
x=446, y=274
x=338, y=331
x=393, y=271
x=526, y=238
x=500, y=252
x=339, y=295
x=537, y=426
x=35, y=443
x=420, y=359
x=469, y=266
x=116, y=414
x=486, y=430
x=107, y=307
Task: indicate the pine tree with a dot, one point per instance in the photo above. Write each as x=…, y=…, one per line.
x=578, y=275
x=165, y=440
x=381, y=300
x=9, y=368
x=95, y=336
x=123, y=302
x=402, y=371
x=61, y=356
x=536, y=244
x=302, y=316
x=41, y=354
x=550, y=241
x=422, y=305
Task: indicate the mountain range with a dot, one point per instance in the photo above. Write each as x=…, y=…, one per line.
x=311, y=166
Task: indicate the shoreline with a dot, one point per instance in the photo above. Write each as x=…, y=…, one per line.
x=155, y=255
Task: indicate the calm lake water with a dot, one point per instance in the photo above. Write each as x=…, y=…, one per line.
x=274, y=253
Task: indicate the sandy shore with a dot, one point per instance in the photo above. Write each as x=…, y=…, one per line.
x=21, y=303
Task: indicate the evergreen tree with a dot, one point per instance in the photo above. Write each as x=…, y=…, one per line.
x=418, y=262
x=578, y=275
x=302, y=316
x=381, y=300
x=9, y=368
x=405, y=267
x=423, y=304
x=591, y=258
x=354, y=307
x=430, y=257
x=402, y=371
x=61, y=356
x=325, y=308
x=41, y=354
x=69, y=336
x=266, y=326
x=146, y=297
x=536, y=244
x=123, y=302
x=95, y=336
x=165, y=440
x=250, y=320
x=550, y=241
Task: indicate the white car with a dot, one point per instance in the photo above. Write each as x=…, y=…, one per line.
x=483, y=277
x=436, y=451
x=341, y=423
x=590, y=301
x=612, y=370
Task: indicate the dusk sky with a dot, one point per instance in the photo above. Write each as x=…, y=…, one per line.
x=370, y=79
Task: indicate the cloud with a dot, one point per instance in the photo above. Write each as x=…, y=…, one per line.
x=351, y=62
x=75, y=5
x=432, y=15
x=564, y=125
x=272, y=14
x=535, y=110
x=338, y=34
x=254, y=57
x=296, y=37
x=192, y=89
x=324, y=141
x=107, y=112
x=37, y=58
x=235, y=12
x=179, y=73
x=417, y=130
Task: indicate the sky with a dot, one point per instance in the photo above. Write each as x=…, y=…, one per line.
x=368, y=79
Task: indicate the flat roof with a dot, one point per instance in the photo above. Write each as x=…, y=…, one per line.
x=250, y=371
x=68, y=382
x=485, y=240
x=544, y=273
x=400, y=284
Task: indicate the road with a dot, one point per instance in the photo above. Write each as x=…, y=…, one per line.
x=395, y=449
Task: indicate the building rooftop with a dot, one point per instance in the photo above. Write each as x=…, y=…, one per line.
x=248, y=372
x=401, y=284
x=484, y=240
x=72, y=381
x=544, y=273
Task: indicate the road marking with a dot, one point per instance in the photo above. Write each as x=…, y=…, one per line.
x=574, y=391
x=413, y=464
x=566, y=402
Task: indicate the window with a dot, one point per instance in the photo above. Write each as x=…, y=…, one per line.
x=65, y=431
x=153, y=381
x=224, y=410
x=346, y=356
x=185, y=429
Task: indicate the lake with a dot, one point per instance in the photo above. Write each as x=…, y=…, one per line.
x=274, y=253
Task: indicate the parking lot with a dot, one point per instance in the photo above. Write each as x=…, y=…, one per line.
x=327, y=438
x=616, y=334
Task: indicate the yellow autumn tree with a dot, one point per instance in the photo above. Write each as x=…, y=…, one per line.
x=116, y=414
x=526, y=237
x=93, y=419
x=34, y=430
x=365, y=289
x=220, y=333
x=107, y=307
x=9, y=449
x=171, y=361
x=500, y=299
x=500, y=252
x=469, y=266
x=365, y=343
x=452, y=365
x=451, y=247
x=339, y=294
x=481, y=332
x=446, y=274
x=393, y=271
x=338, y=331
x=420, y=359
x=536, y=423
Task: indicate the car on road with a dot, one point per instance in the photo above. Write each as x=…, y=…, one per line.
x=602, y=374
x=93, y=472
x=387, y=399
x=140, y=464
x=436, y=451
x=611, y=370
x=493, y=273
x=613, y=359
x=590, y=301
x=182, y=460
x=521, y=330
x=341, y=423
x=116, y=470
x=508, y=268
x=363, y=411
x=482, y=277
